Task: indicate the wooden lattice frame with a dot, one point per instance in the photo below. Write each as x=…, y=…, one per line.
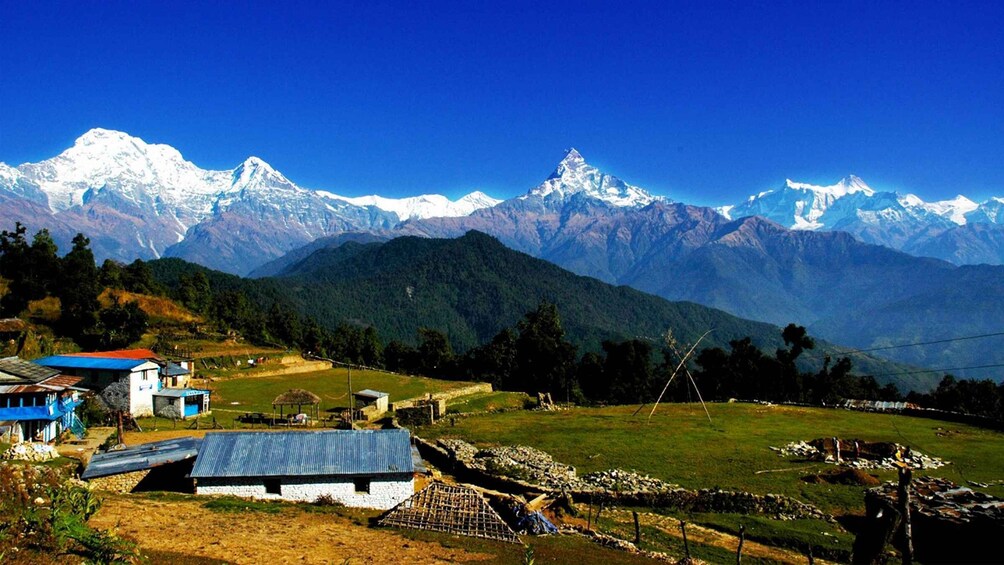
x=453, y=509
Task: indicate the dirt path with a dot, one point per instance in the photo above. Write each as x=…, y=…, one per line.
x=185, y=527
x=707, y=536
x=83, y=449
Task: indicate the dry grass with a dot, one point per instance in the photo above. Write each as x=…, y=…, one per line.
x=159, y=308
x=45, y=310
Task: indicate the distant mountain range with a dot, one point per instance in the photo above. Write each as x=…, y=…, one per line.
x=957, y=230
x=141, y=200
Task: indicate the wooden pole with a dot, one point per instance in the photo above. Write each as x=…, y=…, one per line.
x=742, y=538
x=637, y=529
x=686, y=545
x=589, y=520
x=905, y=477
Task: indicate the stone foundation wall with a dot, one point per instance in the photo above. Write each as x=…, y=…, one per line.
x=124, y=483
x=384, y=493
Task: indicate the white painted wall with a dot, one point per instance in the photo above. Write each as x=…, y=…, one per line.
x=143, y=382
x=385, y=492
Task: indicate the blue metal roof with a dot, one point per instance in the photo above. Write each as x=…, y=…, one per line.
x=174, y=370
x=335, y=452
x=96, y=363
x=370, y=393
x=181, y=392
x=140, y=457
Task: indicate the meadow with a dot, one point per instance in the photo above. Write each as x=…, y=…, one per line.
x=680, y=446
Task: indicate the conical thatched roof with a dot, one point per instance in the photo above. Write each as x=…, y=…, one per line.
x=450, y=508
x=296, y=397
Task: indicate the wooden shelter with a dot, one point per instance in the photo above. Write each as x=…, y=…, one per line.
x=299, y=398
x=455, y=509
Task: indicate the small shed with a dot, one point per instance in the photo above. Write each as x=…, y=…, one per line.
x=190, y=402
x=362, y=468
x=299, y=398
x=367, y=397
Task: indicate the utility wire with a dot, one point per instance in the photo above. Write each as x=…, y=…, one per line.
x=939, y=370
x=915, y=344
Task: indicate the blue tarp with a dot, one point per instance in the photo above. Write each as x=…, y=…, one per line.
x=536, y=524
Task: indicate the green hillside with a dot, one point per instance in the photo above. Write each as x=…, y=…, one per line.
x=471, y=288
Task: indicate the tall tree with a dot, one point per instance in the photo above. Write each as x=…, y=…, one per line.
x=78, y=293
x=545, y=360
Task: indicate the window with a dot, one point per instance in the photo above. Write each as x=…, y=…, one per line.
x=273, y=486
x=362, y=485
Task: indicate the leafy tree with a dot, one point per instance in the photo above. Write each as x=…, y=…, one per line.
x=493, y=362
x=545, y=360
x=170, y=412
x=138, y=277
x=434, y=353
x=13, y=267
x=122, y=325
x=371, y=350
x=284, y=325
x=116, y=397
x=111, y=274
x=195, y=293
x=79, y=292
x=400, y=357
x=628, y=370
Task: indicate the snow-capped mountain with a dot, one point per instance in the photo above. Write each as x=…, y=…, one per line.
x=140, y=200
x=901, y=221
x=424, y=206
x=574, y=176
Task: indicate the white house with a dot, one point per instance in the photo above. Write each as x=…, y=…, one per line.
x=99, y=372
x=363, y=468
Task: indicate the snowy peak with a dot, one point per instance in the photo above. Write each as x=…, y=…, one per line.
x=847, y=185
x=256, y=174
x=571, y=163
x=574, y=176
x=424, y=206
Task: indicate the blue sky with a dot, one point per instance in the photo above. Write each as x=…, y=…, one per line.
x=704, y=102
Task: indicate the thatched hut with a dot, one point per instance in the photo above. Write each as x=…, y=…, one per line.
x=299, y=398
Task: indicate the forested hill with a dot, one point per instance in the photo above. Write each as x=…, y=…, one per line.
x=472, y=287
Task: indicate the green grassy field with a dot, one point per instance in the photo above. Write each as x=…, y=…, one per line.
x=498, y=400
x=255, y=394
x=680, y=446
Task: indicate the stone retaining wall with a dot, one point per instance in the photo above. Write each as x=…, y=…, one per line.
x=121, y=484
x=479, y=388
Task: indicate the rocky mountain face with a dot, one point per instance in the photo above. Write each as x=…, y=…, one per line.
x=140, y=200
x=901, y=221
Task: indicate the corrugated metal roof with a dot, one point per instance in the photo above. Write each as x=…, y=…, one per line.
x=180, y=392
x=335, y=452
x=98, y=363
x=140, y=457
x=119, y=354
x=174, y=370
x=369, y=393
x=14, y=368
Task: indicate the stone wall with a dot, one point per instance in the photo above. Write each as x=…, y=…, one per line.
x=384, y=492
x=123, y=483
x=478, y=388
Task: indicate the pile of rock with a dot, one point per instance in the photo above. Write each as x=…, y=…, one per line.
x=617, y=480
x=867, y=455
x=458, y=449
x=30, y=451
x=526, y=464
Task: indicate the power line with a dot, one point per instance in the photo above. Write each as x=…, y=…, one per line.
x=940, y=370
x=915, y=344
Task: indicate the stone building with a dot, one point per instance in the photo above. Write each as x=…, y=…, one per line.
x=362, y=468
